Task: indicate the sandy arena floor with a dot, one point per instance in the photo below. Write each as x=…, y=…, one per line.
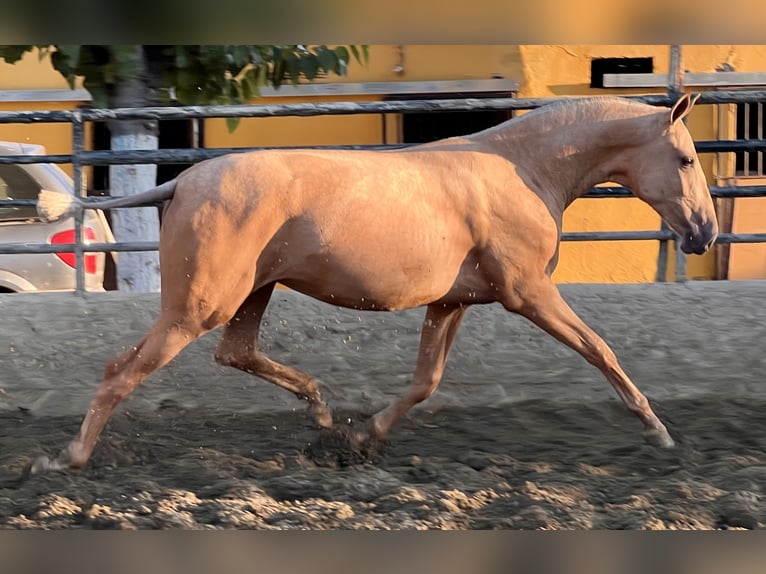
x=522, y=433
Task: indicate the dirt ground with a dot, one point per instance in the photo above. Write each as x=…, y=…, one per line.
x=522, y=433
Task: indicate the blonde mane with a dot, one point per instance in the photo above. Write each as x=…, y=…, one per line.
x=597, y=106
x=570, y=111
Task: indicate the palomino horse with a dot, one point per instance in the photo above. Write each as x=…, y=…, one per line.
x=446, y=225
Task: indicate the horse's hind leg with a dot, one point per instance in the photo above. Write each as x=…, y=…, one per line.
x=239, y=348
x=544, y=306
x=170, y=334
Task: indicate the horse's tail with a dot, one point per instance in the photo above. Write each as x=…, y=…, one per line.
x=55, y=205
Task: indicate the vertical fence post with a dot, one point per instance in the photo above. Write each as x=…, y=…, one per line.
x=675, y=83
x=78, y=144
x=680, y=263
x=662, y=257
x=676, y=72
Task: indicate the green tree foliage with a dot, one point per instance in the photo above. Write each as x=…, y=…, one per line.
x=192, y=75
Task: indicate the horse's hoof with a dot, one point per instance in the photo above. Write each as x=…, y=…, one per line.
x=321, y=414
x=345, y=445
x=44, y=464
x=659, y=438
x=358, y=438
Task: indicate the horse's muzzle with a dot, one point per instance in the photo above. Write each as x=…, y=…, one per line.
x=700, y=239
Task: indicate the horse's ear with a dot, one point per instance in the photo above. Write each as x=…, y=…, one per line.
x=682, y=107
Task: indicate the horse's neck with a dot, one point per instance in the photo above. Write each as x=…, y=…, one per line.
x=568, y=159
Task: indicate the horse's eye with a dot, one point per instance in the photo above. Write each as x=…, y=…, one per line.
x=687, y=161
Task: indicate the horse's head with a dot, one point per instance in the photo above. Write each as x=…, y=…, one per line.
x=667, y=175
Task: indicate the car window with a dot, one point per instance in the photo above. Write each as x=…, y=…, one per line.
x=15, y=183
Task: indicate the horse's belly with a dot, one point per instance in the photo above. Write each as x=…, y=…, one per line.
x=371, y=284
x=376, y=256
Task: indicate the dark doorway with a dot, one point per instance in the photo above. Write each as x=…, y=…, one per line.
x=751, y=124
x=173, y=134
x=424, y=127
x=601, y=66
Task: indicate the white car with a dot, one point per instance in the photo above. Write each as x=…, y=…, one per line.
x=45, y=271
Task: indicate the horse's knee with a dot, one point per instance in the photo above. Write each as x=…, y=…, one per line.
x=226, y=358
x=599, y=354
x=223, y=357
x=232, y=354
x=118, y=364
x=156, y=349
x=113, y=389
x=420, y=393
x=639, y=405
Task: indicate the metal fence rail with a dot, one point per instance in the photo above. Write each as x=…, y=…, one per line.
x=80, y=157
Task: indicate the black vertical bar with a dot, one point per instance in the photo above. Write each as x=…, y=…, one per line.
x=675, y=74
x=680, y=261
x=662, y=257
x=78, y=145
x=675, y=89
x=384, y=131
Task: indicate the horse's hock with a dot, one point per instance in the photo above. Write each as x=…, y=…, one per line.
x=675, y=340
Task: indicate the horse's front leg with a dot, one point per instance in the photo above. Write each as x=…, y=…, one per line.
x=439, y=329
x=542, y=304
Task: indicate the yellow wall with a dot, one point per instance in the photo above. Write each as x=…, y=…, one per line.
x=748, y=260
x=540, y=70
x=291, y=131
x=30, y=73
x=57, y=138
